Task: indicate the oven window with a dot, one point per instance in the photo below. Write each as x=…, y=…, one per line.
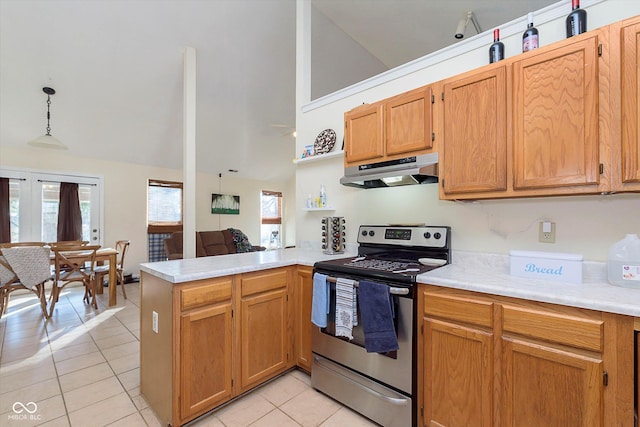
x=357, y=332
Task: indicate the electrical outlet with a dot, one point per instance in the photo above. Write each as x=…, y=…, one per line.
x=547, y=232
x=154, y=322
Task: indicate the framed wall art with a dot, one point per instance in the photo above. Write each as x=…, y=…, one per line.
x=225, y=204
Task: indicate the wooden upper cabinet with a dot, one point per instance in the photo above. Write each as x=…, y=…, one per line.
x=364, y=133
x=630, y=93
x=409, y=122
x=555, y=117
x=475, y=133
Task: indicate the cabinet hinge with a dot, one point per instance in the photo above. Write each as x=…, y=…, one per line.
x=231, y=382
x=601, y=168
x=442, y=96
x=442, y=183
x=433, y=99
x=605, y=378
x=600, y=50
x=421, y=329
x=422, y=411
x=231, y=312
x=433, y=136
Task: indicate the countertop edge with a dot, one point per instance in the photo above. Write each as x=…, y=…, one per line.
x=489, y=274
x=479, y=272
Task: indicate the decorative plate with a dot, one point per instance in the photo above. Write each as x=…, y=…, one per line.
x=324, y=141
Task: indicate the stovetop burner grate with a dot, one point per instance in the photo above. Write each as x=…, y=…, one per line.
x=379, y=264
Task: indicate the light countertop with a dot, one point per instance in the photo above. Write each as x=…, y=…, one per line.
x=187, y=270
x=489, y=273
x=486, y=273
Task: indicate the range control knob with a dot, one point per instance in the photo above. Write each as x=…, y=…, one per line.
x=364, y=232
x=427, y=235
x=372, y=233
x=437, y=236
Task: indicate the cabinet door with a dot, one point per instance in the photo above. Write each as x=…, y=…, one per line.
x=264, y=336
x=364, y=133
x=555, y=117
x=205, y=358
x=458, y=375
x=544, y=386
x=630, y=57
x=409, y=124
x=304, y=293
x=474, y=133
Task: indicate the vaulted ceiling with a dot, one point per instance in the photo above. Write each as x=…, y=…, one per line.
x=117, y=68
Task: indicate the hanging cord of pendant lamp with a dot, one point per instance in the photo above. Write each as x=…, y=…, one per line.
x=48, y=140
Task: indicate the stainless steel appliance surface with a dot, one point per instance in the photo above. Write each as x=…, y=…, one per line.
x=380, y=386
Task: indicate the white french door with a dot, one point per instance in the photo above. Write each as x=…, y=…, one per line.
x=34, y=198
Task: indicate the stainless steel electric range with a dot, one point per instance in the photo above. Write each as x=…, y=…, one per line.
x=380, y=386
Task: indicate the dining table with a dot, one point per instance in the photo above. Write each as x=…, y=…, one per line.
x=102, y=255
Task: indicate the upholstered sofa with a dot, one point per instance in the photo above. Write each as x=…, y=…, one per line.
x=210, y=243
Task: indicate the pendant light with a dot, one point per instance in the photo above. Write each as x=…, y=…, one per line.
x=47, y=140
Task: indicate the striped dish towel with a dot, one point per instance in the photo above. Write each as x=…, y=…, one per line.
x=346, y=308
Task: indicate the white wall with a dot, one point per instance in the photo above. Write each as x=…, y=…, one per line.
x=337, y=60
x=585, y=224
x=125, y=195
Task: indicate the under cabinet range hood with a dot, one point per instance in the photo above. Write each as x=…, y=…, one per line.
x=422, y=169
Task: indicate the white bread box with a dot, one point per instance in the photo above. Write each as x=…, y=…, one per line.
x=559, y=267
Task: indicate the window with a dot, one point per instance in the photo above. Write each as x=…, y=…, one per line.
x=164, y=207
x=271, y=219
x=50, y=203
x=33, y=204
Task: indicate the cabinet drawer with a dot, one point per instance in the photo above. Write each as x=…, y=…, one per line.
x=562, y=329
x=205, y=294
x=466, y=310
x=263, y=281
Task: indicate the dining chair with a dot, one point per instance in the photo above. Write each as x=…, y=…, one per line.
x=68, y=243
x=24, y=265
x=103, y=270
x=74, y=263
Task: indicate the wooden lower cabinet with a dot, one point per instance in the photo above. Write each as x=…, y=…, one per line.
x=205, y=357
x=545, y=386
x=304, y=292
x=496, y=361
x=458, y=375
x=215, y=339
x=265, y=341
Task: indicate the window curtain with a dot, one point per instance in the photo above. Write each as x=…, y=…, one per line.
x=69, y=216
x=5, y=224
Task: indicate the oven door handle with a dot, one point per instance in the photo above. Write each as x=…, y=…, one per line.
x=392, y=290
x=389, y=399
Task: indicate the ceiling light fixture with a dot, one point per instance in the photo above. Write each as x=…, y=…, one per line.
x=462, y=25
x=47, y=140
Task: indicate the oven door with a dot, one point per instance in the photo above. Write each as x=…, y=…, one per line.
x=393, y=369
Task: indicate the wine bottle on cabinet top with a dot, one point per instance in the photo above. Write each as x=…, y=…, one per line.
x=576, y=20
x=496, y=50
x=530, y=38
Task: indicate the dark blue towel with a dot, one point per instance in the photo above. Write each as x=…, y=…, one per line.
x=376, y=312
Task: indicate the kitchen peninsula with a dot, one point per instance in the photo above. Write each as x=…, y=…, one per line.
x=226, y=324
x=212, y=328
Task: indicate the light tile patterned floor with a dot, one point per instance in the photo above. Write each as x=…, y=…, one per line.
x=81, y=368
